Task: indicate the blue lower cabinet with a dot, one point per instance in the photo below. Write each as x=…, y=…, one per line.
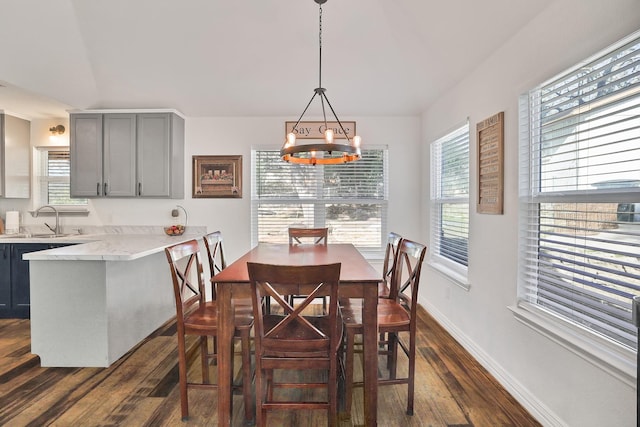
x=14, y=278
x=5, y=279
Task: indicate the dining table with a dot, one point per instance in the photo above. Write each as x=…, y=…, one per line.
x=358, y=279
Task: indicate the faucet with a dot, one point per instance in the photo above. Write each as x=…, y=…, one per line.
x=55, y=230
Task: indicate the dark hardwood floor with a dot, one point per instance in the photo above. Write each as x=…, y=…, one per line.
x=141, y=389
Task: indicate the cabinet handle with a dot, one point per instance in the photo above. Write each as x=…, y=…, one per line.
x=105, y=188
x=4, y=251
x=139, y=189
x=97, y=188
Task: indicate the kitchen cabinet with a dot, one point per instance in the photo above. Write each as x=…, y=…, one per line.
x=15, y=164
x=14, y=278
x=127, y=155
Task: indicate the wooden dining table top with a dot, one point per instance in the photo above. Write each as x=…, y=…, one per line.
x=355, y=268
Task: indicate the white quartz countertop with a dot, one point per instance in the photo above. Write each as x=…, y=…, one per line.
x=102, y=247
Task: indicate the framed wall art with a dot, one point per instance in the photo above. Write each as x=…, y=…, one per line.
x=217, y=176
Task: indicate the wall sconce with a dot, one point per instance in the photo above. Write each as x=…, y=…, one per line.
x=57, y=130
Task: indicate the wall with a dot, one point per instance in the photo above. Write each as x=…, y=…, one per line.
x=232, y=136
x=556, y=385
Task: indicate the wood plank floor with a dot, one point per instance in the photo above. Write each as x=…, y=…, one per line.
x=141, y=389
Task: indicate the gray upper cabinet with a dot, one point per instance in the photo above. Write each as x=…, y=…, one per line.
x=160, y=156
x=15, y=157
x=127, y=155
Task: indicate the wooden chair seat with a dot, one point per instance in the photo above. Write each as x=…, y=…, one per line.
x=205, y=319
x=391, y=316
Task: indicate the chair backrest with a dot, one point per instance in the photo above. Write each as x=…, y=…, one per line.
x=215, y=253
x=188, y=284
x=405, y=278
x=393, y=241
x=290, y=334
x=317, y=236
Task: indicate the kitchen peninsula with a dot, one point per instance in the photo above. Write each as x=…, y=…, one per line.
x=92, y=302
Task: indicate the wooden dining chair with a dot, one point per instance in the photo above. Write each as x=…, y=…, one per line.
x=317, y=236
x=196, y=316
x=396, y=321
x=290, y=341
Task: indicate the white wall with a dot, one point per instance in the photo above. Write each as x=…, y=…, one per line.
x=556, y=385
x=233, y=136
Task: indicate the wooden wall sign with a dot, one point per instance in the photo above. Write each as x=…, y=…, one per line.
x=490, y=136
x=315, y=130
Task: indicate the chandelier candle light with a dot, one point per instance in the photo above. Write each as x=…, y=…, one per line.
x=334, y=153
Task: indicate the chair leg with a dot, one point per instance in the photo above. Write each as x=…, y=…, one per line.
x=204, y=358
x=245, y=344
x=392, y=357
x=260, y=414
x=182, y=374
x=348, y=368
x=332, y=383
x=412, y=370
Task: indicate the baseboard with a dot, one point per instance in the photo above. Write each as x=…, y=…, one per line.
x=529, y=401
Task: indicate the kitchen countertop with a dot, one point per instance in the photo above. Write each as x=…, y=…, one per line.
x=101, y=247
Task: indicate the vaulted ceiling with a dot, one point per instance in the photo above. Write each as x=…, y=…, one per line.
x=245, y=58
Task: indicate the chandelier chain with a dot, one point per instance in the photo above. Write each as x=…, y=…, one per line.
x=320, y=47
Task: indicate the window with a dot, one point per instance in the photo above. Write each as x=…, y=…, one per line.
x=580, y=195
x=52, y=178
x=350, y=199
x=450, y=201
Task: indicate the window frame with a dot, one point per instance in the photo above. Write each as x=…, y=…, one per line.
x=452, y=269
x=319, y=202
x=603, y=351
x=40, y=195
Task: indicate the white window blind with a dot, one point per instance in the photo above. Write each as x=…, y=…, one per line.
x=450, y=198
x=580, y=194
x=350, y=199
x=53, y=178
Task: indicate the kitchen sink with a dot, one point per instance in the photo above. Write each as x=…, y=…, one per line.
x=33, y=236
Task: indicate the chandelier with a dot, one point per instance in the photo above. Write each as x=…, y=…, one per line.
x=333, y=152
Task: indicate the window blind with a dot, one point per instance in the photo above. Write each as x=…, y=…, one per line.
x=580, y=193
x=450, y=196
x=350, y=199
x=53, y=178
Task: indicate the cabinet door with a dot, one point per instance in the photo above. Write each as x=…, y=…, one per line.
x=86, y=155
x=154, y=155
x=5, y=280
x=20, y=295
x=15, y=147
x=119, y=151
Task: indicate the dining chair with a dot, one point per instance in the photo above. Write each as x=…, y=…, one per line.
x=301, y=235
x=196, y=316
x=396, y=320
x=291, y=341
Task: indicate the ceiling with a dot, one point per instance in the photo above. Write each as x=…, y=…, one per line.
x=245, y=58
